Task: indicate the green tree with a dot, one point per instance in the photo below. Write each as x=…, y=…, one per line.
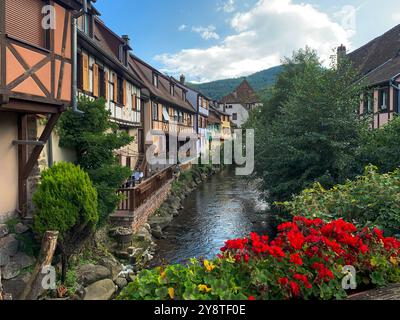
x=95, y=138
x=66, y=202
x=381, y=147
x=309, y=129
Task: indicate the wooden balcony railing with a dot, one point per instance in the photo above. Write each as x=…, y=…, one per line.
x=137, y=196
x=168, y=127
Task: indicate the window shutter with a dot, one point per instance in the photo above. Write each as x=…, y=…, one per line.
x=160, y=112
x=387, y=98
x=95, y=80
x=115, y=80
x=23, y=20
x=134, y=102
x=85, y=71
x=124, y=92
x=106, y=85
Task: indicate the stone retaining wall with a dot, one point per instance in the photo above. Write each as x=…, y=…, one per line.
x=142, y=214
x=139, y=217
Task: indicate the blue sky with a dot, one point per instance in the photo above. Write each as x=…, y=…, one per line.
x=216, y=39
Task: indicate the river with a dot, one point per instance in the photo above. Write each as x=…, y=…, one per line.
x=224, y=207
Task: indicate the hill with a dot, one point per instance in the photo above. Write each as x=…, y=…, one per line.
x=218, y=89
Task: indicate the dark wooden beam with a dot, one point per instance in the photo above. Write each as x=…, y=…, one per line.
x=22, y=157
x=36, y=106
x=28, y=142
x=39, y=148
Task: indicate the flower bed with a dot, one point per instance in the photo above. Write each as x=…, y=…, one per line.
x=304, y=261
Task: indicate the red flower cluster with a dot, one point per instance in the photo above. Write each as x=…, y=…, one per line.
x=310, y=252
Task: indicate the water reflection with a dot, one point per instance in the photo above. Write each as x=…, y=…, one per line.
x=224, y=207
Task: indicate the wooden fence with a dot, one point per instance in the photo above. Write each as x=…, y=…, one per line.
x=136, y=196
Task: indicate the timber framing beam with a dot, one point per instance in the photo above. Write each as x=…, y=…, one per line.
x=22, y=158
x=28, y=142
x=39, y=148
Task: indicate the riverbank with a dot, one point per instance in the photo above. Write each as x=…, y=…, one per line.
x=106, y=265
x=222, y=207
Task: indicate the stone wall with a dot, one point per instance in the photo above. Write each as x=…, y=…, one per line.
x=146, y=210
x=139, y=217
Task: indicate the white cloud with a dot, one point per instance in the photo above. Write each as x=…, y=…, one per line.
x=228, y=6
x=206, y=33
x=182, y=27
x=263, y=35
x=396, y=16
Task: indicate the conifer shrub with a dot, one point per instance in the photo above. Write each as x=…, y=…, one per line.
x=66, y=202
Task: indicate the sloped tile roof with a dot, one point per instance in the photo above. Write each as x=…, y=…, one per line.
x=243, y=94
x=378, y=60
x=145, y=72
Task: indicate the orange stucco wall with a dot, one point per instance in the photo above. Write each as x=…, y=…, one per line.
x=8, y=167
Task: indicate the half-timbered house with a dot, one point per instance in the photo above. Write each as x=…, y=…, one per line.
x=35, y=82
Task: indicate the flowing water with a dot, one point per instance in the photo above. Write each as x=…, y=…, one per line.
x=224, y=207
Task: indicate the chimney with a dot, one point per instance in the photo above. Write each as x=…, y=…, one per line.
x=126, y=39
x=182, y=79
x=341, y=53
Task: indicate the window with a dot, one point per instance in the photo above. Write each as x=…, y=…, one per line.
x=183, y=95
x=165, y=114
x=80, y=72
x=155, y=80
x=368, y=103
x=155, y=111
x=138, y=104
x=102, y=83
x=384, y=99
x=120, y=91
x=85, y=24
x=234, y=116
x=180, y=117
x=172, y=89
x=230, y=106
x=176, y=116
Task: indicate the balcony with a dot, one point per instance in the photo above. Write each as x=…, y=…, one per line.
x=226, y=124
x=204, y=112
x=172, y=127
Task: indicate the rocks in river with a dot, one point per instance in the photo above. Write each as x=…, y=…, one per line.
x=4, y=258
x=3, y=230
x=21, y=228
x=23, y=260
x=157, y=232
x=121, y=283
x=111, y=264
x=11, y=271
x=90, y=273
x=100, y=290
x=161, y=221
x=9, y=245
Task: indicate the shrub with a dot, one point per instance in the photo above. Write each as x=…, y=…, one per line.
x=95, y=138
x=371, y=199
x=305, y=261
x=381, y=147
x=66, y=201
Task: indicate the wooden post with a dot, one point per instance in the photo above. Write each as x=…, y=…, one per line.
x=1, y=288
x=34, y=287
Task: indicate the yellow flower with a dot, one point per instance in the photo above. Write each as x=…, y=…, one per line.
x=209, y=266
x=163, y=275
x=171, y=292
x=204, y=288
x=394, y=261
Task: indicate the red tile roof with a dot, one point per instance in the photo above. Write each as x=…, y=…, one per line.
x=243, y=94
